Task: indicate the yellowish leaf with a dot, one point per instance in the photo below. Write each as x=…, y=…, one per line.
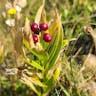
x=26, y=80
x=56, y=74
x=27, y=26
x=39, y=13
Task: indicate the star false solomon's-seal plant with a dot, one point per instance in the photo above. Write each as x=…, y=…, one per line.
x=48, y=63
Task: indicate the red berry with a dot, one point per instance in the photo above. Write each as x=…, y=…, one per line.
x=35, y=38
x=47, y=37
x=34, y=28
x=43, y=27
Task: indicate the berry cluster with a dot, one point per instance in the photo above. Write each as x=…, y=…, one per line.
x=39, y=28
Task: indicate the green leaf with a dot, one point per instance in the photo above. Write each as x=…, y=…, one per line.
x=26, y=43
x=50, y=83
x=56, y=46
x=41, y=55
x=34, y=64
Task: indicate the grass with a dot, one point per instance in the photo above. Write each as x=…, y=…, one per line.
x=75, y=78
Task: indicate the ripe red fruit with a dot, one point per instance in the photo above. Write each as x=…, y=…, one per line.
x=43, y=27
x=35, y=28
x=47, y=37
x=35, y=38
